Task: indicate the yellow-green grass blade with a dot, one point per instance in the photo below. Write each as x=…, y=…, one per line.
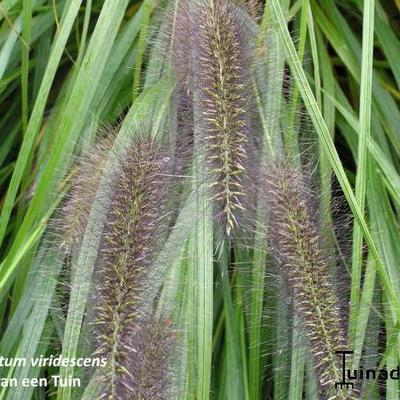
x=202, y=274
x=291, y=136
x=83, y=91
x=37, y=114
x=328, y=107
x=339, y=34
x=35, y=324
x=26, y=36
x=144, y=27
x=362, y=155
x=234, y=367
x=299, y=353
x=269, y=99
x=388, y=40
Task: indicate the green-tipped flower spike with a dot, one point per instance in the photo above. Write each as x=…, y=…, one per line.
x=221, y=105
x=123, y=274
x=297, y=244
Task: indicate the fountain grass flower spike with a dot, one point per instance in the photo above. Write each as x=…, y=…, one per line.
x=296, y=242
x=136, y=347
x=222, y=104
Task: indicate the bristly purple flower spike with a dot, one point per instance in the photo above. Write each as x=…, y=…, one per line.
x=123, y=332
x=296, y=242
x=220, y=81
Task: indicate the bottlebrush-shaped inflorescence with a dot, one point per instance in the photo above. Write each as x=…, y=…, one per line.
x=296, y=242
x=123, y=332
x=221, y=105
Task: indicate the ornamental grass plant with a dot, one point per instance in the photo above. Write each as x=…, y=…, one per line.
x=199, y=199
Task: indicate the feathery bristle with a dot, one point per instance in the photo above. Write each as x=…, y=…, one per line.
x=254, y=7
x=124, y=267
x=297, y=244
x=76, y=209
x=152, y=370
x=182, y=37
x=222, y=107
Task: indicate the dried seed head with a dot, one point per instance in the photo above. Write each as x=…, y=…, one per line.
x=221, y=85
x=124, y=267
x=297, y=243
